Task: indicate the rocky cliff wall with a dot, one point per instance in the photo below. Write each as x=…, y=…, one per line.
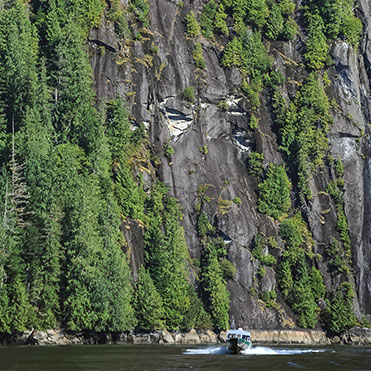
x=211, y=145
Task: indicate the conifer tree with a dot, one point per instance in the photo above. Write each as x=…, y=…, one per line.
x=18, y=85
x=15, y=297
x=148, y=303
x=213, y=283
x=18, y=57
x=167, y=254
x=117, y=271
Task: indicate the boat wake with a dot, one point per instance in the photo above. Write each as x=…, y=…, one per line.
x=258, y=351
x=263, y=351
x=208, y=350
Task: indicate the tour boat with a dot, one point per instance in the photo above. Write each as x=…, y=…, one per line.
x=238, y=340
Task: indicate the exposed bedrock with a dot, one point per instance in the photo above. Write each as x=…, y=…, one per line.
x=211, y=145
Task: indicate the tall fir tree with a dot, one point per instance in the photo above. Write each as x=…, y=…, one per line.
x=148, y=303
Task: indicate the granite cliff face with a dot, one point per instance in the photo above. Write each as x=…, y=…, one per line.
x=211, y=145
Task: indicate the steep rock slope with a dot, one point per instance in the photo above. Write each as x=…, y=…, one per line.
x=213, y=141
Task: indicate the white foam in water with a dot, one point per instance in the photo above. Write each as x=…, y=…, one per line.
x=208, y=350
x=259, y=351
x=262, y=351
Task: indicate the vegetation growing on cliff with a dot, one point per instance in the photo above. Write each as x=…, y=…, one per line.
x=274, y=192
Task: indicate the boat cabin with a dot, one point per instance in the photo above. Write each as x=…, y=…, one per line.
x=238, y=334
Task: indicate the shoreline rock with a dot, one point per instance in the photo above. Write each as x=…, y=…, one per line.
x=305, y=337
x=355, y=336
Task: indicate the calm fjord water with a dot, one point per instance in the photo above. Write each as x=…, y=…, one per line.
x=175, y=357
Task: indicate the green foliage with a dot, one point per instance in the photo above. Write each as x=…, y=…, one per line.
x=336, y=194
x=204, y=150
x=303, y=300
x=341, y=223
x=301, y=286
x=252, y=91
x=168, y=150
x=343, y=229
x=129, y=193
x=196, y=316
x=18, y=58
x=203, y=225
x=223, y=105
x=273, y=79
x=342, y=315
x=121, y=140
x=258, y=12
x=337, y=259
x=261, y=272
x=290, y=29
x=303, y=127
x=274, y=192
x=116, y=14
x=298, y=240
x=237, y=201
x=64, y=264
x=258, y=252
x=285, y=278
x=317, y=284
x=198, y=56
x=366, y=322
x=220, y=23
x=193, y=28
x=141, y=9
x=92, y=255
x=275, y=23
x=148, y=303
x=167, y=255
x=270, y=16
x=73, y=176
x=316, y=47
x=89, y=12
x=76, y=119
x=214, y=284
x=339, y=170
x=228, y=269
x=118, y=129
x=248, y=53
x=338, y=18
x=215, y=271
x=352, y=28
x=255, y=164
x=189, y=94
x=269, y=298
x=207, y=20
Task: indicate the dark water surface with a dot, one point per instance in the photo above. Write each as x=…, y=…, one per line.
x=185, y=357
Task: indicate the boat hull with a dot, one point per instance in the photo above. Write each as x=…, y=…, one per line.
x=235, y=345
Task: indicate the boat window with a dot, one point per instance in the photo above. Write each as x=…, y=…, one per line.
x=239, y=336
